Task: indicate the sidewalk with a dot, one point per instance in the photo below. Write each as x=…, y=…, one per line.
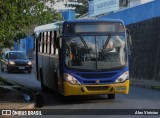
x=17, y=105
x=13, y=96
x=151, y=84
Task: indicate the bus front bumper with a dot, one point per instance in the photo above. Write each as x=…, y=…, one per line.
x=99, y=89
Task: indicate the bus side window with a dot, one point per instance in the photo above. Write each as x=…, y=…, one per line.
x=59, y=39
x=55, y=42
x=52, y=43
x=57, y=46
x=40, y=43
x=43, y=42
x=48, y=42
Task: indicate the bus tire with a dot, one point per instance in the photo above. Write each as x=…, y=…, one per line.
x=44, y=88
x=111, y=96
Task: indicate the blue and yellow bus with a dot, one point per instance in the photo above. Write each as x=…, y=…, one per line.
x=83, y=57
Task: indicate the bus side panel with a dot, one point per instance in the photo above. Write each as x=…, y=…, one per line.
x=37, y=66
x=50, y=63
x=54, y=62
x=40, y=63
x=46, y=70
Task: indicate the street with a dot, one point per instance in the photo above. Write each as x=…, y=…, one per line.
x=138, y=98
x=25, y=79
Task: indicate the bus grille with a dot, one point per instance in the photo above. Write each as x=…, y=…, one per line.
x=97, y=88
x=94, y=82
x=99, y=75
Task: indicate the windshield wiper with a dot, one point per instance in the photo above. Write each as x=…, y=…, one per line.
x=83, y=41
x=107, y=41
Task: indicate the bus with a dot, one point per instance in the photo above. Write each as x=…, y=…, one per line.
x=83, y=57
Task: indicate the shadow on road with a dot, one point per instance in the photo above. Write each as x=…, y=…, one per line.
x=52, y=98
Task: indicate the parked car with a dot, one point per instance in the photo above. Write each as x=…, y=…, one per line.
x=15, y=61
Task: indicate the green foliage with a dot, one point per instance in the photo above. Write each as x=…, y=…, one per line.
x=18, y=16
x=19, y=35
x=81, y=9
x=155, y=87
x=1, y=79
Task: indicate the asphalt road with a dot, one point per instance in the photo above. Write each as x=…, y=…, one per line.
x=22, y=78
x=138, y=98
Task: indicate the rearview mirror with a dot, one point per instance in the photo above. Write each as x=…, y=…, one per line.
x=129, y=41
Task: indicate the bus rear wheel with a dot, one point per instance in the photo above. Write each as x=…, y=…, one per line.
x=111, y=96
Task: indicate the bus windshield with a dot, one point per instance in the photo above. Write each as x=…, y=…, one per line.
x=95, y=52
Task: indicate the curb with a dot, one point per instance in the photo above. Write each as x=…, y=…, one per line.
x=140, y=85
x=30, y=106
x=24, y=90
x=154, y=87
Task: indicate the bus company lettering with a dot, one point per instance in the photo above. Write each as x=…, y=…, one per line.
x=34, y=113
x=18, y=112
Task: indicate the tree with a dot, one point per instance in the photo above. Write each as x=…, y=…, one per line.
x=81, y=8
x=18, y=16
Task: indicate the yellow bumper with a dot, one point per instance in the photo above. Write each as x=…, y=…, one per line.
x=70, y=89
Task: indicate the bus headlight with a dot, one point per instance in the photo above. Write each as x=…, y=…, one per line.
x=70, y=79
x=123, y=77
x=11, y=62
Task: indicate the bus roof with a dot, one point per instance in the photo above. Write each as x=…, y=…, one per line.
x=95, y=20
x=48, y=27
x=56, y=26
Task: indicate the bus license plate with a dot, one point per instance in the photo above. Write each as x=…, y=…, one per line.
x=21, y=67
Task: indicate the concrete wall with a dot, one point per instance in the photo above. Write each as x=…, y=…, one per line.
x=145, y=56
x=144, y=24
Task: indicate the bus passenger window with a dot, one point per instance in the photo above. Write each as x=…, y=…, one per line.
x=43, y=43
x=48, y=42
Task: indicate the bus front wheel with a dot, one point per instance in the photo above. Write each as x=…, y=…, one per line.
x=111, y=96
